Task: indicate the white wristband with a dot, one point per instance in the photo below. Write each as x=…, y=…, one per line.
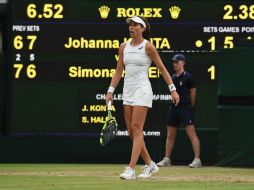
x=111, y=90
x=171, y=87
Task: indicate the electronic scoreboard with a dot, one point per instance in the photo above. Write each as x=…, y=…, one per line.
x=62, y=54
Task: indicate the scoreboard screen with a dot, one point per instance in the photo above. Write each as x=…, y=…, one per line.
x=62, y=54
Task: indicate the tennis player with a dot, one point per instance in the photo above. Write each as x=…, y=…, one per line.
x=136, y=57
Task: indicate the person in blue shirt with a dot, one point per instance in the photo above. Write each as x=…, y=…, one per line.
x=181, y=115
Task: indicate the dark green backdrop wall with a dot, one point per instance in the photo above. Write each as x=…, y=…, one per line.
x=236, y=107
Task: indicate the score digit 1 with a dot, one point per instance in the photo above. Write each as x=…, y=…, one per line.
x=228, y=42
x=211, y=70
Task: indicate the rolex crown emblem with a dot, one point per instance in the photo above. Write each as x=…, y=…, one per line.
x=104, y=10
x=174, y=12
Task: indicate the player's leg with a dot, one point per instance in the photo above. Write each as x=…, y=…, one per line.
x=135, y=119
x=191, y=132
x=129, y=172
x=127, y=116
x=136, y=127
x=137, y=124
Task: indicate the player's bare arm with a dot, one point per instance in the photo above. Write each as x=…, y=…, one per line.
x=117, y=75
x=152, y=52
x=119, y=68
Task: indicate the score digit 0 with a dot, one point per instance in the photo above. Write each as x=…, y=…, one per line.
x=19, y=44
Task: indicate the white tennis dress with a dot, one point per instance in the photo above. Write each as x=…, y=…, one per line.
x=137, y=90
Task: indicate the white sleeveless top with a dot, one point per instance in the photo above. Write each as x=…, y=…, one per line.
x=137, y=88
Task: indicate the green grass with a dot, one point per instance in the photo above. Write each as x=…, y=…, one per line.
x=85, y=177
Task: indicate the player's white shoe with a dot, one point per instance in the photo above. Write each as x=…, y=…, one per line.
x=165, y=162
x=128, y=173
x=196, y=163
x=149, y=170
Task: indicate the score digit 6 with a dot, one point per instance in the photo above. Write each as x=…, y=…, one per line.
x=30, y=70
x=19, y=44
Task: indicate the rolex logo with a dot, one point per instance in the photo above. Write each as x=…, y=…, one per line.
x=174, y=12
x=104, y=10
